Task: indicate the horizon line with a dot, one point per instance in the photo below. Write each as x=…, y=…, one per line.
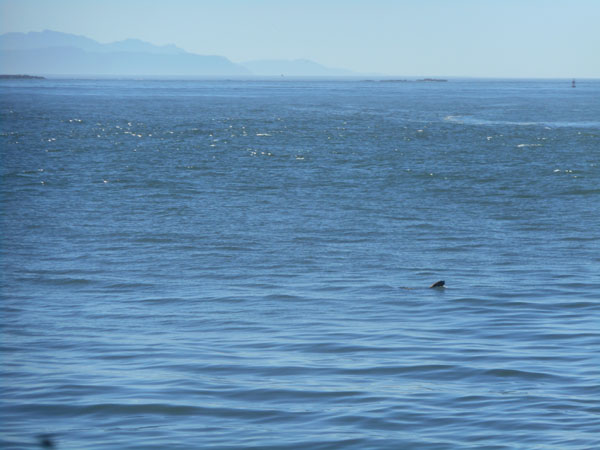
x=366, y=78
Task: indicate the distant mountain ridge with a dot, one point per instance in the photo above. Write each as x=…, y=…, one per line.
x=47, y=38
x=55, y=53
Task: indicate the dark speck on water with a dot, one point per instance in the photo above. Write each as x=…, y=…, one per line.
x=245, y=264
x=46, y=441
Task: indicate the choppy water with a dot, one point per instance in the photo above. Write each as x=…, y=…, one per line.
x=222, y=264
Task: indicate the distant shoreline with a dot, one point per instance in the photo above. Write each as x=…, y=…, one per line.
x=21, y=77
x=256, y=78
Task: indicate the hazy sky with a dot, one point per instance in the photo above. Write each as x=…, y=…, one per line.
x=489, y=38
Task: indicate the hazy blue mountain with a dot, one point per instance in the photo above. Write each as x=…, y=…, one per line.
x=297, y=67
x=135, y=45
x=47, y=38
x=74, y=61
x=54, y=53
x=44, y=39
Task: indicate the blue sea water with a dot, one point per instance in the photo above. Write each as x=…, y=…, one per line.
x=245, y=264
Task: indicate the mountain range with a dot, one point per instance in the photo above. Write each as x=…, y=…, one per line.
x=55, y=53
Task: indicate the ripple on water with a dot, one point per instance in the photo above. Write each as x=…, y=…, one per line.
x=202, y=297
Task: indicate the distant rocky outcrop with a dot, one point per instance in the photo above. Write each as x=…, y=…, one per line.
x=20, y=77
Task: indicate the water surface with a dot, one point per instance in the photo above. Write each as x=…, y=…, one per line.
x=244, y=264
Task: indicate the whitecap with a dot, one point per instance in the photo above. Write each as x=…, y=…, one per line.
x=453, y=119
x=470, y=120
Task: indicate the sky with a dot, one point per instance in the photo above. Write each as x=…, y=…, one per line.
x=476, y=38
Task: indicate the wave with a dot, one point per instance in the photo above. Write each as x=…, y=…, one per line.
x=471, y=120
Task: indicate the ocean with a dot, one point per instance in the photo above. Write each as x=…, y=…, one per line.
x=246, y=264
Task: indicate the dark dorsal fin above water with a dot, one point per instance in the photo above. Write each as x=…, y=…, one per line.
x=438, y=284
